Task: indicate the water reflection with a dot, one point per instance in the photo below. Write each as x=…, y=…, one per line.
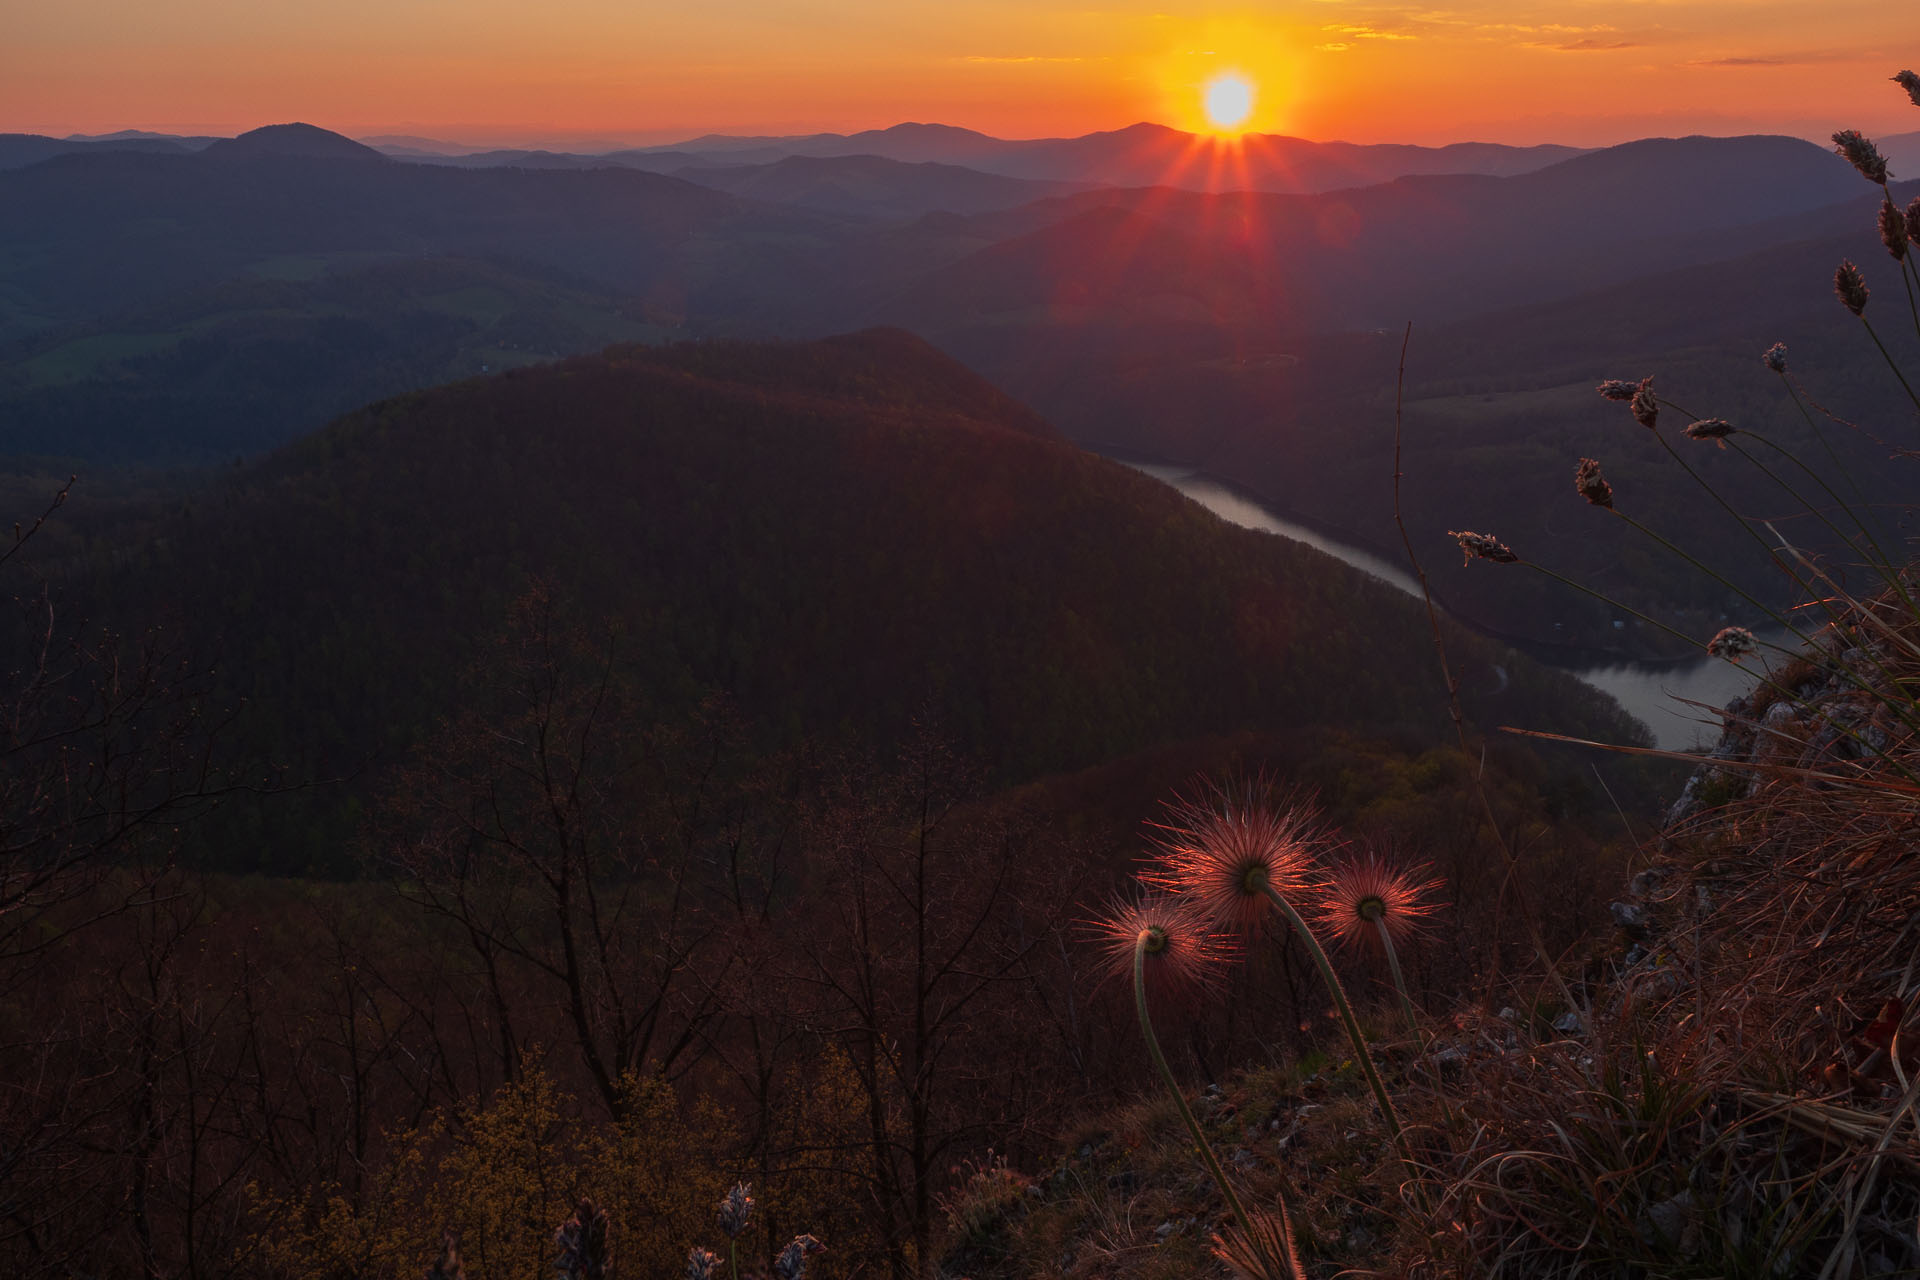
x=1656, y=694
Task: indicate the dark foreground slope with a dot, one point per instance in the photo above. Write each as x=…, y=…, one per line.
x=842, y=537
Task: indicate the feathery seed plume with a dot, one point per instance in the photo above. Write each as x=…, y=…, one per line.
x=1775, y=357
x=1253, y=1255
x=736, y=1210
x=1732, y=643
x=1365, y=893
x=1714, y=429
x=701, y=1263
x=1645, y=406
x=1911, y=83
x=1851, y=286
x=1861, y=154
x=1483, y=546
x=1617, y=389
x=1224, y=855
x=1592, y=485
x=1893, y=230
x=1184, y=956
x=792, y=1262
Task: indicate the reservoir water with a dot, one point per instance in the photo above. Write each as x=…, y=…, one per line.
x=1656, y=694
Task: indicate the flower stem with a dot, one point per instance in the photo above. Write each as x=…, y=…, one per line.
x=1399, y=979
x=1186, y=1113
x=1339, y=993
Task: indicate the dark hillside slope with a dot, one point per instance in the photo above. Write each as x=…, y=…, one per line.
x=841, y=536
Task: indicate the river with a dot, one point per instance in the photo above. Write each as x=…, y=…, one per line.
x=1651, y=692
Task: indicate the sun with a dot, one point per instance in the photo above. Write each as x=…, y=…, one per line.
x=1229, y=101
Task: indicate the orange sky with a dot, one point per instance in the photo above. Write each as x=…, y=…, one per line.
x=640, y=70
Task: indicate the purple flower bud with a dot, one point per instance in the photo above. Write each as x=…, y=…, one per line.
x=1775, y=357
x=1913, y=220
x=1911, y=83
x=1617, y=389
x=736, y=1210
x=792, y=1262
x=586, y=1250
x=701, y=1264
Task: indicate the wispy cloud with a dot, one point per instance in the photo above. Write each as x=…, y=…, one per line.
x=1335, y=46
x=1801, y=59
x=1587, y=44
x=1369, y=33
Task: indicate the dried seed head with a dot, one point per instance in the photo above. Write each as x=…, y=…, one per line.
x=1913, y=219
x=1184, y=955
x=1223, y=855
x=1714, y=429
x=1592, y=485
x=1733, y=644
x=1483, y=546
x=1617, y=389
x=1861, y=154
x=736, y=1210
x=792, y=1262
x=1911, y=83
x=1775, y=357
x=1365, y=892
x=701, y=1264
x=1893, y=230
x=1852, y=288
x=1645, y=406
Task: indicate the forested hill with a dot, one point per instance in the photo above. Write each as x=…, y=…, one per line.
x=843, y=537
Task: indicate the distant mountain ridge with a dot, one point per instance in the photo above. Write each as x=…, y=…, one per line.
x=1138, y=155
x=176, y=303
x=303, y=140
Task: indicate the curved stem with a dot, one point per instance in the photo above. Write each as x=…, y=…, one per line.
x=1399, y=979
x=1186, y=1113
x=1352, y=1024
x=1826, y=445
x=1891, y=362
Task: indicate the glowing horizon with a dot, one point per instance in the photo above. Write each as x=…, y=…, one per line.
x=489, y=73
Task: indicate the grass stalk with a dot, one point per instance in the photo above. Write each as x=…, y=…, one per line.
x=1286, y=1267
x=1390, y=1116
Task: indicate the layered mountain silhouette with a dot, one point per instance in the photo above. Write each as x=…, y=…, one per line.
x=1139, y=155
x=189, y=307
